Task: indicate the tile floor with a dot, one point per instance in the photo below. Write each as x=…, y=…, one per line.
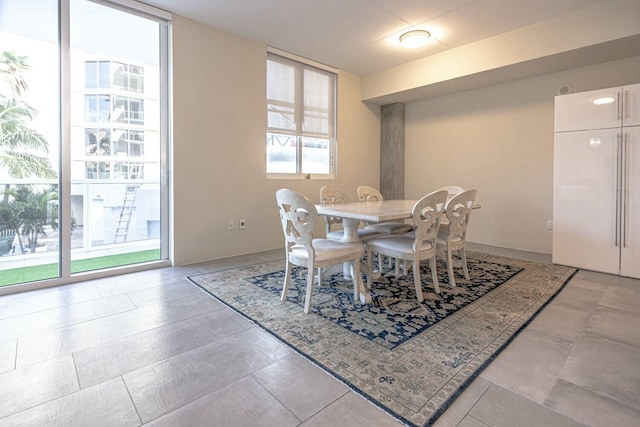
x=150, y=348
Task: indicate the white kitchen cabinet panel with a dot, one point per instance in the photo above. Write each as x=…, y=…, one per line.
x=584, y=205
x=630, y=252
x=598, y=109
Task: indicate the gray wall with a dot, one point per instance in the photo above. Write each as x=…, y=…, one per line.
x=499, y=140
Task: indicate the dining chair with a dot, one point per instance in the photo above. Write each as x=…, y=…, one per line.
x=452, y=235
x=299, y=217
x=426, y=214
x=452, y=189
x=330, y=195
x=368, y=194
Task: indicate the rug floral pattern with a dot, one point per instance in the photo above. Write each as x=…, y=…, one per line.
x=410, y=359
x=395, y=315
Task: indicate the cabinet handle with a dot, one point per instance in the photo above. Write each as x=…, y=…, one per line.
x=618, y=179
x=619, y=107
x=625, y=212
x=627, y=113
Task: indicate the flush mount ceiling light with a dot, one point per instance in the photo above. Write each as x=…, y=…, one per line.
x=414, y=39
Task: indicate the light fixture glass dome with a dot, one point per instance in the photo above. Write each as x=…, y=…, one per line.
x=414, y=39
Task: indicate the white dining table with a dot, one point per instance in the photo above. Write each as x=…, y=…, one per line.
x=370, y=211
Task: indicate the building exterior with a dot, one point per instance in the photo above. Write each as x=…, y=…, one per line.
x=115, y=149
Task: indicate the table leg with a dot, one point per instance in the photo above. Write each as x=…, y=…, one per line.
x=365, y=296
x=351, y=236
x=350, y=227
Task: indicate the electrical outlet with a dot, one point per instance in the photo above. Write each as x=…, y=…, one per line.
x=242, y=224
x=231, y=224
x=549, y=224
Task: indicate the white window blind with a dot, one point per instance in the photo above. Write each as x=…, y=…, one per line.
x=301, y=116
x=300, y=98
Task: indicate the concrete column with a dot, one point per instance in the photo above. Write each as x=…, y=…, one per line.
x=392, y=151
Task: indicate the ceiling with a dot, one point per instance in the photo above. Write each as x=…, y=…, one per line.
x=361, y=36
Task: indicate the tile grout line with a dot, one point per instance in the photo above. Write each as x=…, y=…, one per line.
x=131, y=398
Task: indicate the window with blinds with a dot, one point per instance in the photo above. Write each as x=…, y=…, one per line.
x=301, y=111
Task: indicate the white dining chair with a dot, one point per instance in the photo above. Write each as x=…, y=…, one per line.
x=452, y=235
x=299, y=217
x=332, y=196
x=369, y=194
x=452, y=190
x=426, y=215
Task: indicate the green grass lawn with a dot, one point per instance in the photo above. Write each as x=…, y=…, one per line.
x=48, y=271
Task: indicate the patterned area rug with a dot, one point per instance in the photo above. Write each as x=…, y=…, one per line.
x=411, y=359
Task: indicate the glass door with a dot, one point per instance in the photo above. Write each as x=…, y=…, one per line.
x=29, y=142
x=82, y=150
x=115, y=137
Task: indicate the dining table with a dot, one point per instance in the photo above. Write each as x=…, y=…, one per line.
x=370, y=211
x=352, y=213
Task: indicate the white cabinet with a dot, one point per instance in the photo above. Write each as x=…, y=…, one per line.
x=596, y=194
x=630, y=222
x=598, y=109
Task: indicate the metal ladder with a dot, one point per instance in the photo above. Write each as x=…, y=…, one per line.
x=127, y=206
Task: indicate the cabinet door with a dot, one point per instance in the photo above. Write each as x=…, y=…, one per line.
x=596, y=109
x=584, y=200
x=631, y=112
x=630, y=255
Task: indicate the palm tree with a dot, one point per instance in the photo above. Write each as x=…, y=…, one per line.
x=23, y=151
x=10, y=219
x=37, y=211
x=20, y=144
x=12, y=66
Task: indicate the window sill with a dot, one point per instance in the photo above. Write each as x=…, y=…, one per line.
x=297, y=176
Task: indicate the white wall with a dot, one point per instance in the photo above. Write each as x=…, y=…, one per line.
x=499, y=140
x=219, y=108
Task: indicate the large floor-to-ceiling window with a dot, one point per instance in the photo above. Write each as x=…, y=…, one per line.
x=83, y=142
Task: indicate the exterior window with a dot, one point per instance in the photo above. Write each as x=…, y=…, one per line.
x=97, y=170
x=301, y=110
x=128, y=110
x=128, y=142
x=97, y=108
x=115, y=110
x=97, y=74
x=126, y=170
x=97, y=142
x=128, y=78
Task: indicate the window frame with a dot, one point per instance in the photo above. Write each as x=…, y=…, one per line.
x=300, y=66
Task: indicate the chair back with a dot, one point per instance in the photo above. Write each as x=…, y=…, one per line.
x=452, y=190
x=298, y=216
x=331, y=196
x=368, y=194
x=427, y=213
x=458, y=212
